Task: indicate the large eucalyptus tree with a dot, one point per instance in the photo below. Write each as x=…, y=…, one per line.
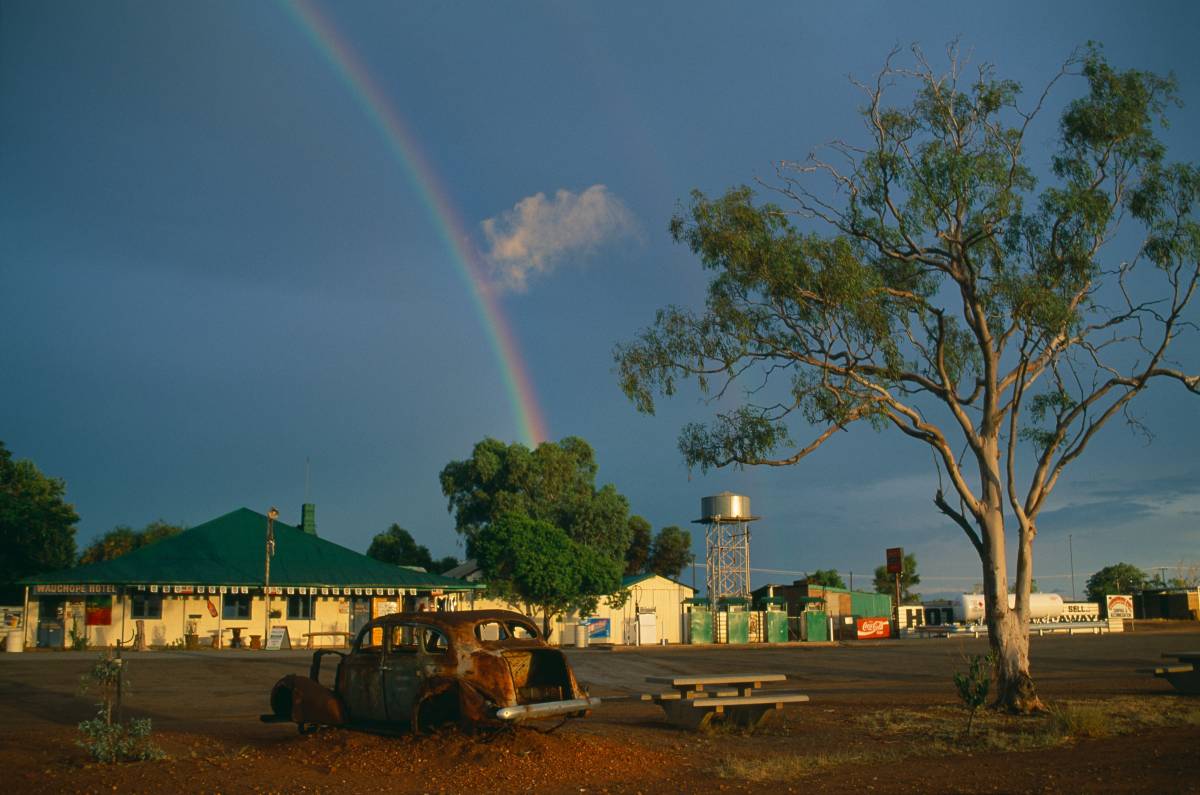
x=951, y=292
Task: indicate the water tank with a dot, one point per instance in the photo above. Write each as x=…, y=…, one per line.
x=726, y=506
x=970, y=607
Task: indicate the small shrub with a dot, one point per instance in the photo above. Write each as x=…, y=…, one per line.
x=1079, y=720
x=79, y=641
x=973, y=686
x=107, y=738
x=111, y=742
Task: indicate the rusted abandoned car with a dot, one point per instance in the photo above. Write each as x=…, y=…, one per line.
x=420, y=670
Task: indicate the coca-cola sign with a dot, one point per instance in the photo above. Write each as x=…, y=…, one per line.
x=873, y=628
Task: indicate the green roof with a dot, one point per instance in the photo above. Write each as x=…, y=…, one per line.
x=229, y=550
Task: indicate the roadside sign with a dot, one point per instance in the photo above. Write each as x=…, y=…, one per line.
x=278, y=639
x=1119, y=605
x=872, y=628
x=895, y=560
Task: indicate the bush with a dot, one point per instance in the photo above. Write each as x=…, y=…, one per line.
x=79, y=641
x=973, y=686
x=110, y=742
x=1077, y=720
x=107, y=738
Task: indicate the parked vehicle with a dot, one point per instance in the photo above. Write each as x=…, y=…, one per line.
x=419, y=670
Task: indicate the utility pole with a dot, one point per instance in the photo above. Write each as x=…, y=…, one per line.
x=272, y=515
x=1071, y=552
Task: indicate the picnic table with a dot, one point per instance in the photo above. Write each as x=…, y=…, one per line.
x=697, y=699
x=1184, y=676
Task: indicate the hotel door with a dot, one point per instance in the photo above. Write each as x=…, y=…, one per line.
x=52, y=621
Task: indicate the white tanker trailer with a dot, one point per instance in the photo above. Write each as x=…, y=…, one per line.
x=969, y=608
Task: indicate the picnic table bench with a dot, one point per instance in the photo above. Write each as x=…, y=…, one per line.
x=695, y=700
x=345, y=636
x=1183, y=676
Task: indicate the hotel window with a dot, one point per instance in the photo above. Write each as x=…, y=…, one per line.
x=300, y=607
x=145, y=605
x=236, y=606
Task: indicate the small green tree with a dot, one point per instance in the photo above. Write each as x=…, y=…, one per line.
x=107, y=737
x=973, y=685
x=829, y=577
x=1117, y=578
x=671, y=552
x=36, y=523
x=534, y=562
x=397, y=546
x=886, y=583
x=123, y=539
x=555, y=483
x=443, y=565
x=640, y=541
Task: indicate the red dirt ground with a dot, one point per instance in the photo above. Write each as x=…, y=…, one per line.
x=204, y=708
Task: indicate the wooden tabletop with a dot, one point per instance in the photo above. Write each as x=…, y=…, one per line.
x=1181, y=655
x=715, y=679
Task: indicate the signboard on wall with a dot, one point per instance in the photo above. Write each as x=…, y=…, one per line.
x=598, y=629
x=41, y=590
x=872, y=628
x=895, y=560
x=98, y=611
x=1119, y=605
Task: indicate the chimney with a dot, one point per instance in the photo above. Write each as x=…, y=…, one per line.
x=308, y=518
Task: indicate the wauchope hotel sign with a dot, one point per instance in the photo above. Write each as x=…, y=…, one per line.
x=83, y=590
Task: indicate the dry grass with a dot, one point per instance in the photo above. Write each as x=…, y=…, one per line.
x=939, y=731
x=1080, y=720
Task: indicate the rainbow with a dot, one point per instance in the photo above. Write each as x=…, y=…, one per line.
x=407, y=152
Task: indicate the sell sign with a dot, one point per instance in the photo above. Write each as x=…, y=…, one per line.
x=873, y=628
x=1119, y=606
x=895, y=560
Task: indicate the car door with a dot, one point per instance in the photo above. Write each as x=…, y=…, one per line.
x=402, y=670
x=360, y=680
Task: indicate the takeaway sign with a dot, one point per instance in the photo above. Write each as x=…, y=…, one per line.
x=82, y=590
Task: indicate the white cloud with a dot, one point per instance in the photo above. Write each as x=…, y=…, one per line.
x=538, y=233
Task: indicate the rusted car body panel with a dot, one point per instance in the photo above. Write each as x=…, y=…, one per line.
x=415, y=670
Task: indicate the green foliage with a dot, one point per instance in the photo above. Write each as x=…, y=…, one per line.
x=973, y=686
x=640, y=540
x=106, y=737
x=829, y=577
x=77, y=637
x=886, y=583
x=532, y=561
x=944, y=258
x=443, y=565
x=671, y=552
x=556, y=483
x=128, y=741
x=1120, y=578
x=37, y=525
x=397, y=546
x=123, y=539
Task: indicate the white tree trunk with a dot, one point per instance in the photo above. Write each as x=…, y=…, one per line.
x=1008, y=629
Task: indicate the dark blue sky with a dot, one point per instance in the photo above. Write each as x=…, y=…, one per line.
x=212, y=267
